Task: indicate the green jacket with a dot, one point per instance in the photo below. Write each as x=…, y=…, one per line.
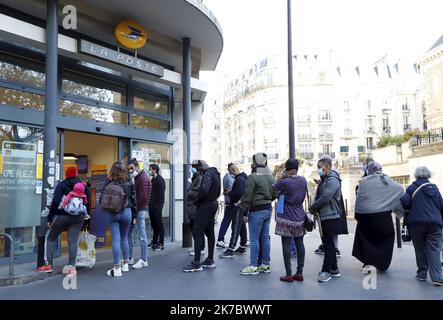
x=259, y=191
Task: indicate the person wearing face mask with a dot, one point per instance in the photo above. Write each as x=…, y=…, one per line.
x=328, y=206
x=343, y=219
x=207, y=206
x=191, y=197
x=156, y=207
x=228, y=182
x=143, y=195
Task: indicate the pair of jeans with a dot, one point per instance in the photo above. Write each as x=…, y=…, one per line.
x=140, y=223
x=156, y=216
x=227, y=218
x=204, y=225
x=119, y=226
x=72, y=224
x=287, y=243
x=329, y=233
x=259, y=222
x=238, y=227
x=426, y=239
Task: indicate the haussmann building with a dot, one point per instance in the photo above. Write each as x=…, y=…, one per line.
x=88, y=83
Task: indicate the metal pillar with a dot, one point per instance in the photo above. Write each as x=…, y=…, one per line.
x=290, y=87
x=187, y=69
x=50, y=130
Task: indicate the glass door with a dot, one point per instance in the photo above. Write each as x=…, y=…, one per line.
x=155, y=153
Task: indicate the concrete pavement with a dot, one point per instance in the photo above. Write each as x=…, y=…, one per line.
x=164, y=279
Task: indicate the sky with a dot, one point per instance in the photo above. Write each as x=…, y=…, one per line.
x=355, y=31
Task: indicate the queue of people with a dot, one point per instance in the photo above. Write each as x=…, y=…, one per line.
x=129, y=196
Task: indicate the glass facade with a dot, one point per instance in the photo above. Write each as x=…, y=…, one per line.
x=154, y=153
x=87, y=95
x=75, y=109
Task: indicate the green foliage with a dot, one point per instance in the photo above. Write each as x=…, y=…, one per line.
x=388, y=140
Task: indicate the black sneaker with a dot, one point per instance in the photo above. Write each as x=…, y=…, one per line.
x=193, y=267
x=158, y=247
x=227, y=254
x=240, y=251
x=152, y=244
x=320, y=250
x=335, y=273
x=337, y=253
x=209, y=264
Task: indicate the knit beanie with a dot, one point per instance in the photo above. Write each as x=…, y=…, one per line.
x=71, y=172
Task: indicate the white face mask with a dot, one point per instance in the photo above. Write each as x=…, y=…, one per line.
x=134, y=173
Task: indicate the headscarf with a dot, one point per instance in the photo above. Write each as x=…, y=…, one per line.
x=375, y=168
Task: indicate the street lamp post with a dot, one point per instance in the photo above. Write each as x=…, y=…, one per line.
x=290, y=88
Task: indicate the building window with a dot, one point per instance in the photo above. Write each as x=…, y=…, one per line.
x=370, y=143
x=74, y=109
x=13, y=71
x=22, y=99
x=324, y=115
x=139, y=121
x=361, y=149
x=95, y=89
x=144, y=101
x=344, y=149
x=21, y=84
x=402, y=180
x=21, y=171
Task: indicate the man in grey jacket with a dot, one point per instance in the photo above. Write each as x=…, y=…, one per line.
x=327, y=205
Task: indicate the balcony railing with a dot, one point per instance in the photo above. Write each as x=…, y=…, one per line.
x=348, y=131
x=429, y=137
x=305, y=137
x=331, y=154
x=407, y=127
x=351, y=161
x=386, y=129
x=326, y=136
x=304, y=119
x=307, y=155
x=406, y=108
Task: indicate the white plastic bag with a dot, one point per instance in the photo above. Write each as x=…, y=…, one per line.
x=86, y=250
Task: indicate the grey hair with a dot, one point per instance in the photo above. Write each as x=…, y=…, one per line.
x=422, y=173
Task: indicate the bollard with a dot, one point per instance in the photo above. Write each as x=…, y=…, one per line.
x=11, y=252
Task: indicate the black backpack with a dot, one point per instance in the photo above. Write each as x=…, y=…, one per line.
x=113, y=197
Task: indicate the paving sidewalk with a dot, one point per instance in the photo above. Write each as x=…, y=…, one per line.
x=164, y=279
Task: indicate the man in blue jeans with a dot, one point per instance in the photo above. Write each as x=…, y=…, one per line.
x=143, y=194
x=257, y=209
x=228, y=182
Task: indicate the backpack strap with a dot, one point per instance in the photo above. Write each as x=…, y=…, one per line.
x=418, y=189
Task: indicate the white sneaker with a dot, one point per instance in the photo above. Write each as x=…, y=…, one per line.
x=125, y=267
x=192, y=253
x=140, y=264
x=131, y=261
x=114, y=272
x=222, y=244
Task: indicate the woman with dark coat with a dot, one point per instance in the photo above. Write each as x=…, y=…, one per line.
x=59, y=221
x=377, y=196
x=425, y=224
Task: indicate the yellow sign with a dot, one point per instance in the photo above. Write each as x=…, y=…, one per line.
x=131, y=34
x=39, y=164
